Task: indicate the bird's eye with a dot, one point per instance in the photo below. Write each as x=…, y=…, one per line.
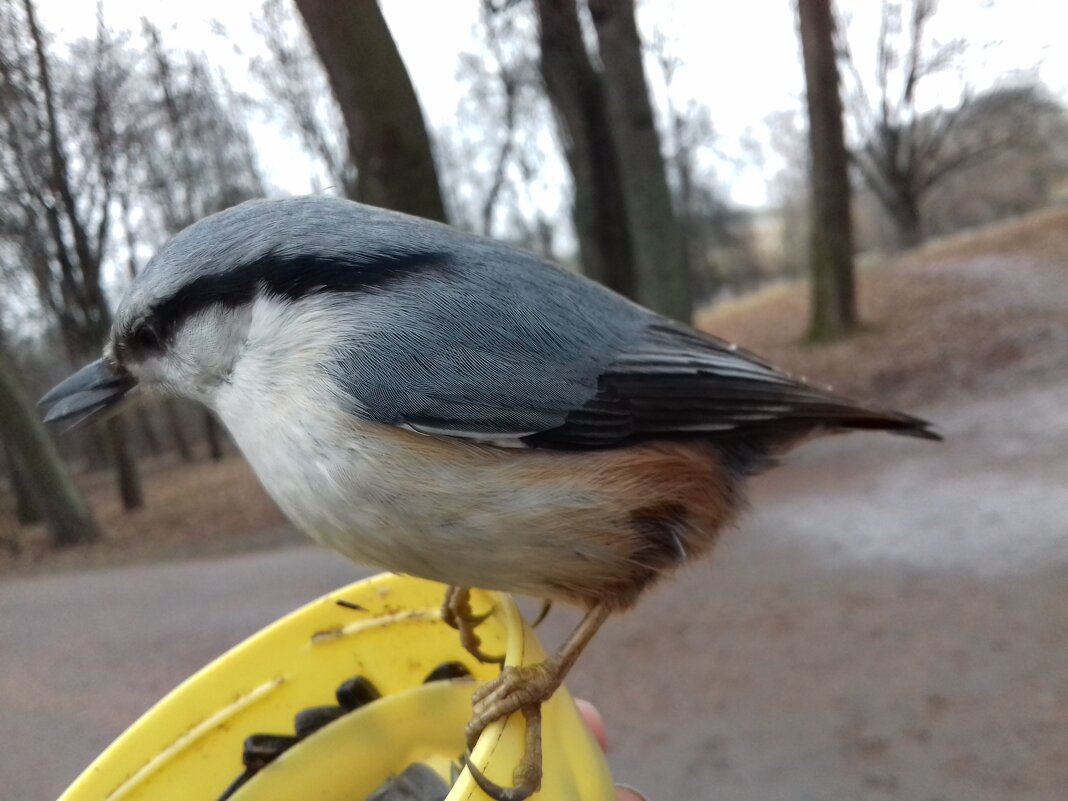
x=144, y=338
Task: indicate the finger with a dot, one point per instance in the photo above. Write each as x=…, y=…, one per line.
x=594, y=721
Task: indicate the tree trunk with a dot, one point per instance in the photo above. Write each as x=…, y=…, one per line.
x=148, y=431
x=27, y=512
x=663, y=278
x=65, y=510
x=214, y=436
x=833, y=309
x=577, y=93
x=388, y=139
x=125, y=465
x=905, y=214
x=94, y=447
x=174, y=423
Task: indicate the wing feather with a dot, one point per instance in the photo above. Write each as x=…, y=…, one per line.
x=499, y=347
x=679, y=383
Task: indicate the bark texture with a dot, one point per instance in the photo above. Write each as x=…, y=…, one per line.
x=663, y=278
x=577, y=93
x=388, y=138
x=833, y=305
x=47, y=479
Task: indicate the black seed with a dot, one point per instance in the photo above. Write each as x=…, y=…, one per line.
x=417, y=782
x=355, y=692
x=310, y=720
x=262, y=749
x=446, y=671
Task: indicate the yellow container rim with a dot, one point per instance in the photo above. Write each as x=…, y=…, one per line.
x=188, y=747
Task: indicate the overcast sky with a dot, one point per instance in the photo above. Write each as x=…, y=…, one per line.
x=739, y=59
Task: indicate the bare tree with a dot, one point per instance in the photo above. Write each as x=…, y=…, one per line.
x=388, y=138
x=716, y=238
x=300, y=93
x=577, y=92
x=904, y=149
x=62, y=147
x=51, y=487
x=790, y=191
x=832, y=311
x=513, y=79
x=493, y=154
x=663, y=279
x=197, y=156
x=1020, y=175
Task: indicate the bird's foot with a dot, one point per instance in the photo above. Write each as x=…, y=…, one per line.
x=517, y=688
x=456, y=612
x=526, y=778
x=526, y=688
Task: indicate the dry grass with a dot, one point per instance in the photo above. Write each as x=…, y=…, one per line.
x=190, y=508
x=964, y=315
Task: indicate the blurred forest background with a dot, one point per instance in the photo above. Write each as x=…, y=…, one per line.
x=574, y=137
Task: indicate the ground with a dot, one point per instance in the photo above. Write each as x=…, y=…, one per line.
x=890, y=621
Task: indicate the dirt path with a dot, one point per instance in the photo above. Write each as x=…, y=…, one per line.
x=890, y=623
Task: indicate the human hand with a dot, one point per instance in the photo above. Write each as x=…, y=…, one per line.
x=595, y=723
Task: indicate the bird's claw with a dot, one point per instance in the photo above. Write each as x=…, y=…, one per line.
x=526, y=778
x=546, y=607
x=516, y=688
x=456, y=612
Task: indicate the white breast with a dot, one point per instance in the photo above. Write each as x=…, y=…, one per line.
x=287, y=417
x=463, y=514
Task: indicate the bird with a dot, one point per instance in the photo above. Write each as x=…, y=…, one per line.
x=435, y=403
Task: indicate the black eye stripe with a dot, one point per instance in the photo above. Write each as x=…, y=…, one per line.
x=291, y=277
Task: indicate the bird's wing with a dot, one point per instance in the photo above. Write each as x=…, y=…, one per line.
x=525, y=354
x=496, y=349
x=678, y=382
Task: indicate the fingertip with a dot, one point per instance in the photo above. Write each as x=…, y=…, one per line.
x=624, y=793
x=594, y=722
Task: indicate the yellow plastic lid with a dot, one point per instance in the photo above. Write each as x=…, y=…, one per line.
x=188, y=747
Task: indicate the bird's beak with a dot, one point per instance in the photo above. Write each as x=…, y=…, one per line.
x=95, y=389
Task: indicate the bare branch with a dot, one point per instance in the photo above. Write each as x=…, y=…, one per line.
x=962, y=159
x=60, y=174
x=295, y=81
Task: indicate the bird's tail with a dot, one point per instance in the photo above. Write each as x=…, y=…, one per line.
x=754, y=448
x=858, y=417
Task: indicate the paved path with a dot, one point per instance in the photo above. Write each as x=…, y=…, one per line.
x=891, y=623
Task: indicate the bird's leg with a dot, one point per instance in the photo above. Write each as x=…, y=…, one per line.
x=526, y=688
x=456, y=612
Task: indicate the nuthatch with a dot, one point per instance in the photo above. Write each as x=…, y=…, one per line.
x=434, y=403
